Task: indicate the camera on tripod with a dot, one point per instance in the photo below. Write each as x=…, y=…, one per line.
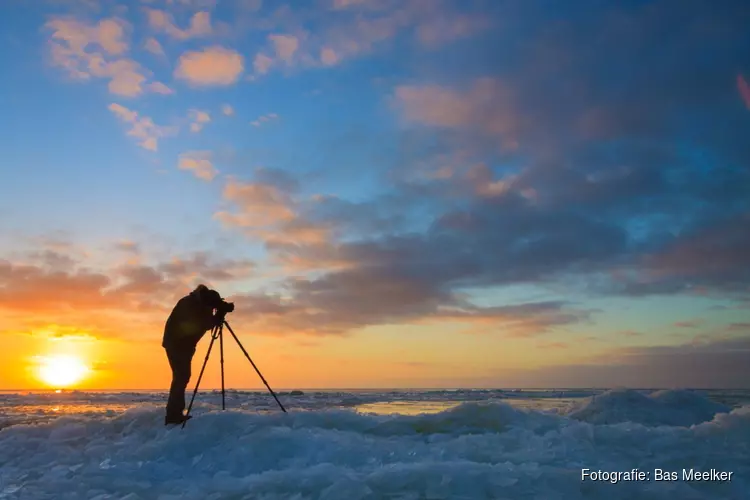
x=217, y=332
x=224, y=307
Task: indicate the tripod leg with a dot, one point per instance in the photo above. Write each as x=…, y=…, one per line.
x=208, y=353
x=221, y=350
x=256, y=368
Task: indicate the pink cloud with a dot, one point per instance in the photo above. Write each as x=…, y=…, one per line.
x=285, y=46
x=198, y=119
x=328, y=56
x=152, y=45
x=262, y=63
x=159, y=88
x=200, y=24
x=213, y=66
x=486, y=107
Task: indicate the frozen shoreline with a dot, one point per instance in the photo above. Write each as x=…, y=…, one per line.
x=479, y=449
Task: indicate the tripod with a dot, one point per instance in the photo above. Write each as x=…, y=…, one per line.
x=218, y=333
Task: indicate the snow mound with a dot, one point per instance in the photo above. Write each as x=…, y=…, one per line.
x=668, y=407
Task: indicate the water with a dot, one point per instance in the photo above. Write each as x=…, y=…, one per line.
x=374, y=445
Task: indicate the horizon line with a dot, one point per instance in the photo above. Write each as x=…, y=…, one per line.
x=260, y=389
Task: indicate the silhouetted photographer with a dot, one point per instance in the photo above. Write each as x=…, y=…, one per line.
x=201, y=311
x=194, y=315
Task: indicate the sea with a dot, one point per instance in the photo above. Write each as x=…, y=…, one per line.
x=450, y=444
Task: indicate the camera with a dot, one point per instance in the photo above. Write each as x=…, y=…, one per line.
x=224, y=307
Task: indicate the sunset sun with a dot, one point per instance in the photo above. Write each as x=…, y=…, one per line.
x=62, y=370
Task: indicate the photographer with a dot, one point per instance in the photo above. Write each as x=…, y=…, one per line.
x=189, y=321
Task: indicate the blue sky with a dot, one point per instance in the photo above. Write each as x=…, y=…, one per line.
x=559, y=183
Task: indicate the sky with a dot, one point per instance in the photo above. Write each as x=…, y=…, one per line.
x=394, y=193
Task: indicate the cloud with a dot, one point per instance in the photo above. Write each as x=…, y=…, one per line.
x=262, y=64
x=108, y=34
x=724, y=363
x=199, y=162
x=346, y=301
x=198, y=119
x=486, y=107
x=227, y=110
x=328, y=56
x=285, y=46
x=260, y=204
x=711, y=255
x=70, y=44
x=302, y=39
x=142, y=127
x=446, y=28
x=152, y=45
x=213, y=66
x=580, y=150
x=160, y=88
x=398, y=279
x=264, y=119
x=744, y=89
x=161, y=21
x=116, y=301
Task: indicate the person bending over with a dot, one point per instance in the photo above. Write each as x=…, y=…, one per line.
x=190, y=320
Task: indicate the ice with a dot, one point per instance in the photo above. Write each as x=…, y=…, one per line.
x=658, y=408
x=481, y=449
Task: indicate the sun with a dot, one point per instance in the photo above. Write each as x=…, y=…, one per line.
x=61, y=370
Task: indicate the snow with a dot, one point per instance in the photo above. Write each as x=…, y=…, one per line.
x=484, y=448
x=659, y=408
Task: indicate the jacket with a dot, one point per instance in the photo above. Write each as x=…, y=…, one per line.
x=188, y=322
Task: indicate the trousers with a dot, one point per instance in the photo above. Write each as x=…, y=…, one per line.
x=180, y=359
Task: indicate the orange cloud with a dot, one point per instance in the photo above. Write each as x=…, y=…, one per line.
x=744, y=89
x=260, y=205
x=200, y=24
x=72, y=39
x=108, y=34
x=270, y=214
x=115, y=301
x=213, y=66
x=198, y=119
x=70, y=49
x=142, y=127
x=227, y=110
x=198, y=162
